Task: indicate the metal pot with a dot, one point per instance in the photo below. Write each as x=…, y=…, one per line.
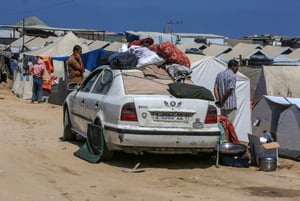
x=232, y=149
x=235, y=161
x=267, y=164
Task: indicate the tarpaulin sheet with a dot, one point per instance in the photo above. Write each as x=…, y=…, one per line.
x=92, y=149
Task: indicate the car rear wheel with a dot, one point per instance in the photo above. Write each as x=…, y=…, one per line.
x=107, y=154
x=68, y=134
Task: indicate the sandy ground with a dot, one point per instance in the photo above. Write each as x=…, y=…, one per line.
x=36, y=166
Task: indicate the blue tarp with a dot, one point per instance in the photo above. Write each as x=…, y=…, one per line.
x=90, y=59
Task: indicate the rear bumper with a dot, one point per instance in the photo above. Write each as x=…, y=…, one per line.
x=164, y=141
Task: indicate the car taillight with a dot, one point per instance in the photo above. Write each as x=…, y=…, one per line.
x=212, y=115
x=128, y=112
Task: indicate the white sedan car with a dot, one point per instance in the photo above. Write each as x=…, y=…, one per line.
x=138, y=114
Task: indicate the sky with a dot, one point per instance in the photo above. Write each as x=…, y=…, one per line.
x=230, y=18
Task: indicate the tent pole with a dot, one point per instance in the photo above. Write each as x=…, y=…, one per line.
x=23, y=36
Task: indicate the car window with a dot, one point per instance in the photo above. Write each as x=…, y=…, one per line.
x=89, y=81
x=104, y=82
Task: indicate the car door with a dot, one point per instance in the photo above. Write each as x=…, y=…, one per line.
x=98, y=93
x=81, y=103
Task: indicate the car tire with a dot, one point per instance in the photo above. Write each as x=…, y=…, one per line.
x=68, y=134
x=107, y=154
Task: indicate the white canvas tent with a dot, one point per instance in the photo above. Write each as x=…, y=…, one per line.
x=39, y=42
x=205, y=70
x=253, y=74
x=17, y=45
x=61, y=47
x=278, y=81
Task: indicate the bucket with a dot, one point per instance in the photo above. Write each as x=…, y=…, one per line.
x=267, y=164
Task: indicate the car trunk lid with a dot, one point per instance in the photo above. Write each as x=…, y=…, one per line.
x=168, y=111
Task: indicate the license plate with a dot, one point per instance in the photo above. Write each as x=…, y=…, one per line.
x=170, y=116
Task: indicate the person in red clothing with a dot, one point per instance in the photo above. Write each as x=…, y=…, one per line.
x=37, y=71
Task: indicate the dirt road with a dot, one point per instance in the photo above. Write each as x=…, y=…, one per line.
x=36, y=166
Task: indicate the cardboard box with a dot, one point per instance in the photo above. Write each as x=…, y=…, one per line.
x=259, y=150
x=271, y=145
